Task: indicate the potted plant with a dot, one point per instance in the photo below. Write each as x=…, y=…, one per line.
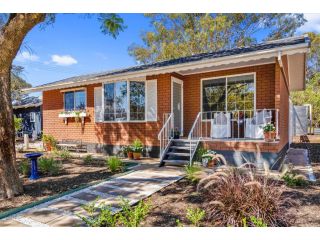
x=127, y=150
x=49, y=142
x=269, y=132
x=175, y=133
x=212, y=159
x=137, y=149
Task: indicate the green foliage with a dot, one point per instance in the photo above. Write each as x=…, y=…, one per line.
x=195, y=216
x=183, y=34
x=179, y=224
x=313, y=63
x=253, y=222
x=199, y=153
x=49, y=139
x=269, y=127
x=132, y=216
x=114, y=164
x=18, y=83
x=17, y=124
x=24, y=167
x=137, y=146
x=311, y=95
x=112, y=24
x=105, y=217
x=102, y=216
x=64, y=154
x=48, y=165
x=192, y=173
x=126, y=149
x=294, y=180
x=88, y=159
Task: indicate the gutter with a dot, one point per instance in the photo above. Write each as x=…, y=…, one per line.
x=288, y=50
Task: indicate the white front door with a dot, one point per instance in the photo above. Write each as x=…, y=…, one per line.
x=177, y=103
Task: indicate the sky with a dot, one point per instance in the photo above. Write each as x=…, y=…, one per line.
x=74, y=45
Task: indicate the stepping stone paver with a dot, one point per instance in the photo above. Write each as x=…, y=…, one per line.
x=86, y=196
x=12, y=223
x=42, y=215
x=66, y=205
x=64, y=211
x=66, y=221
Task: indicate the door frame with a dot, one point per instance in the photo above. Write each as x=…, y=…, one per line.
x=179, y=81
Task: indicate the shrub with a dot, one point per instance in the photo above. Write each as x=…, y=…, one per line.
x=48, y=165
x=49, y=140
x=192, y=172
x=195, y=215
x=137, y=146
x=199, y=153
x=234, y=194
x=17, y=124
x=105, y=217
x=88, y=159
x=132, y=216
x=63, y=154
x=253, y=222
x=294, y=180
x=102, y=216
x=24, y=167
x=114, y=164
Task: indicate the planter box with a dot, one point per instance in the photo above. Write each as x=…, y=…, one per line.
x=72, y=115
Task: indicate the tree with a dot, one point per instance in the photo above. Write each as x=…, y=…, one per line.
x=310, y=96
x=178, y=35
x=13, y=29
x=313, y=63
x=18, y=83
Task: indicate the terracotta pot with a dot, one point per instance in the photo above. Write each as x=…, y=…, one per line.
x=136, y=156
x=48, y=147
x=269, y=136
x=130, y=155
x=211, y=163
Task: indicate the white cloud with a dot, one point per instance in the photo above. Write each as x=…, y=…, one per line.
x=63, y=60
x=312, y=24
x=26, y=56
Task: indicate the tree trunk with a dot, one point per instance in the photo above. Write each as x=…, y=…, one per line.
x=11, y=38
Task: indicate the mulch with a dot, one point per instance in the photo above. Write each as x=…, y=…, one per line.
x=74, y=174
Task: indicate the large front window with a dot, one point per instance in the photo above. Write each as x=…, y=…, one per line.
x=234, y=93
x=124, y=101
x=75, y=100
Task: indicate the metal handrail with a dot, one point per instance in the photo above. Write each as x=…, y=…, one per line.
x=165, y=135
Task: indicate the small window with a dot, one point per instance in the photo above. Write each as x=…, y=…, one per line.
x=32, y=117
x=74, y=100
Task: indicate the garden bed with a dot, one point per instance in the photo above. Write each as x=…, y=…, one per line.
x=74, y=174
x=170, y=204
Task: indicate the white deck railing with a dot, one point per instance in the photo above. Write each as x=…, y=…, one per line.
x=195, y=135
x=244, y=124
x=166, y=134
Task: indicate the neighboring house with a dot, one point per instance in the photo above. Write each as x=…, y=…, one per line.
x=221, y=99
x=30, y=110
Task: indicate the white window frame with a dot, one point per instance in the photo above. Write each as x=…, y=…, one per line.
x=74, y=100
x=32, y=115
x=226, y=77
x=128, y=99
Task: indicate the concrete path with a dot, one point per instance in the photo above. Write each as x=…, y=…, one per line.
x=146, y=180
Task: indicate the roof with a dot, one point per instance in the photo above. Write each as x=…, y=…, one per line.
x=27, y=102
x=261, y=47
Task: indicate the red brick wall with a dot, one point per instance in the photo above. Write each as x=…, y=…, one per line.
x=269, y=84
x=265, y=85
x=107, y=133
x=282, y=102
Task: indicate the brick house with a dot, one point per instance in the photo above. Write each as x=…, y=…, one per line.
x=219, y=99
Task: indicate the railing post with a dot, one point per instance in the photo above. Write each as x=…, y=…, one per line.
x=277, y=124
